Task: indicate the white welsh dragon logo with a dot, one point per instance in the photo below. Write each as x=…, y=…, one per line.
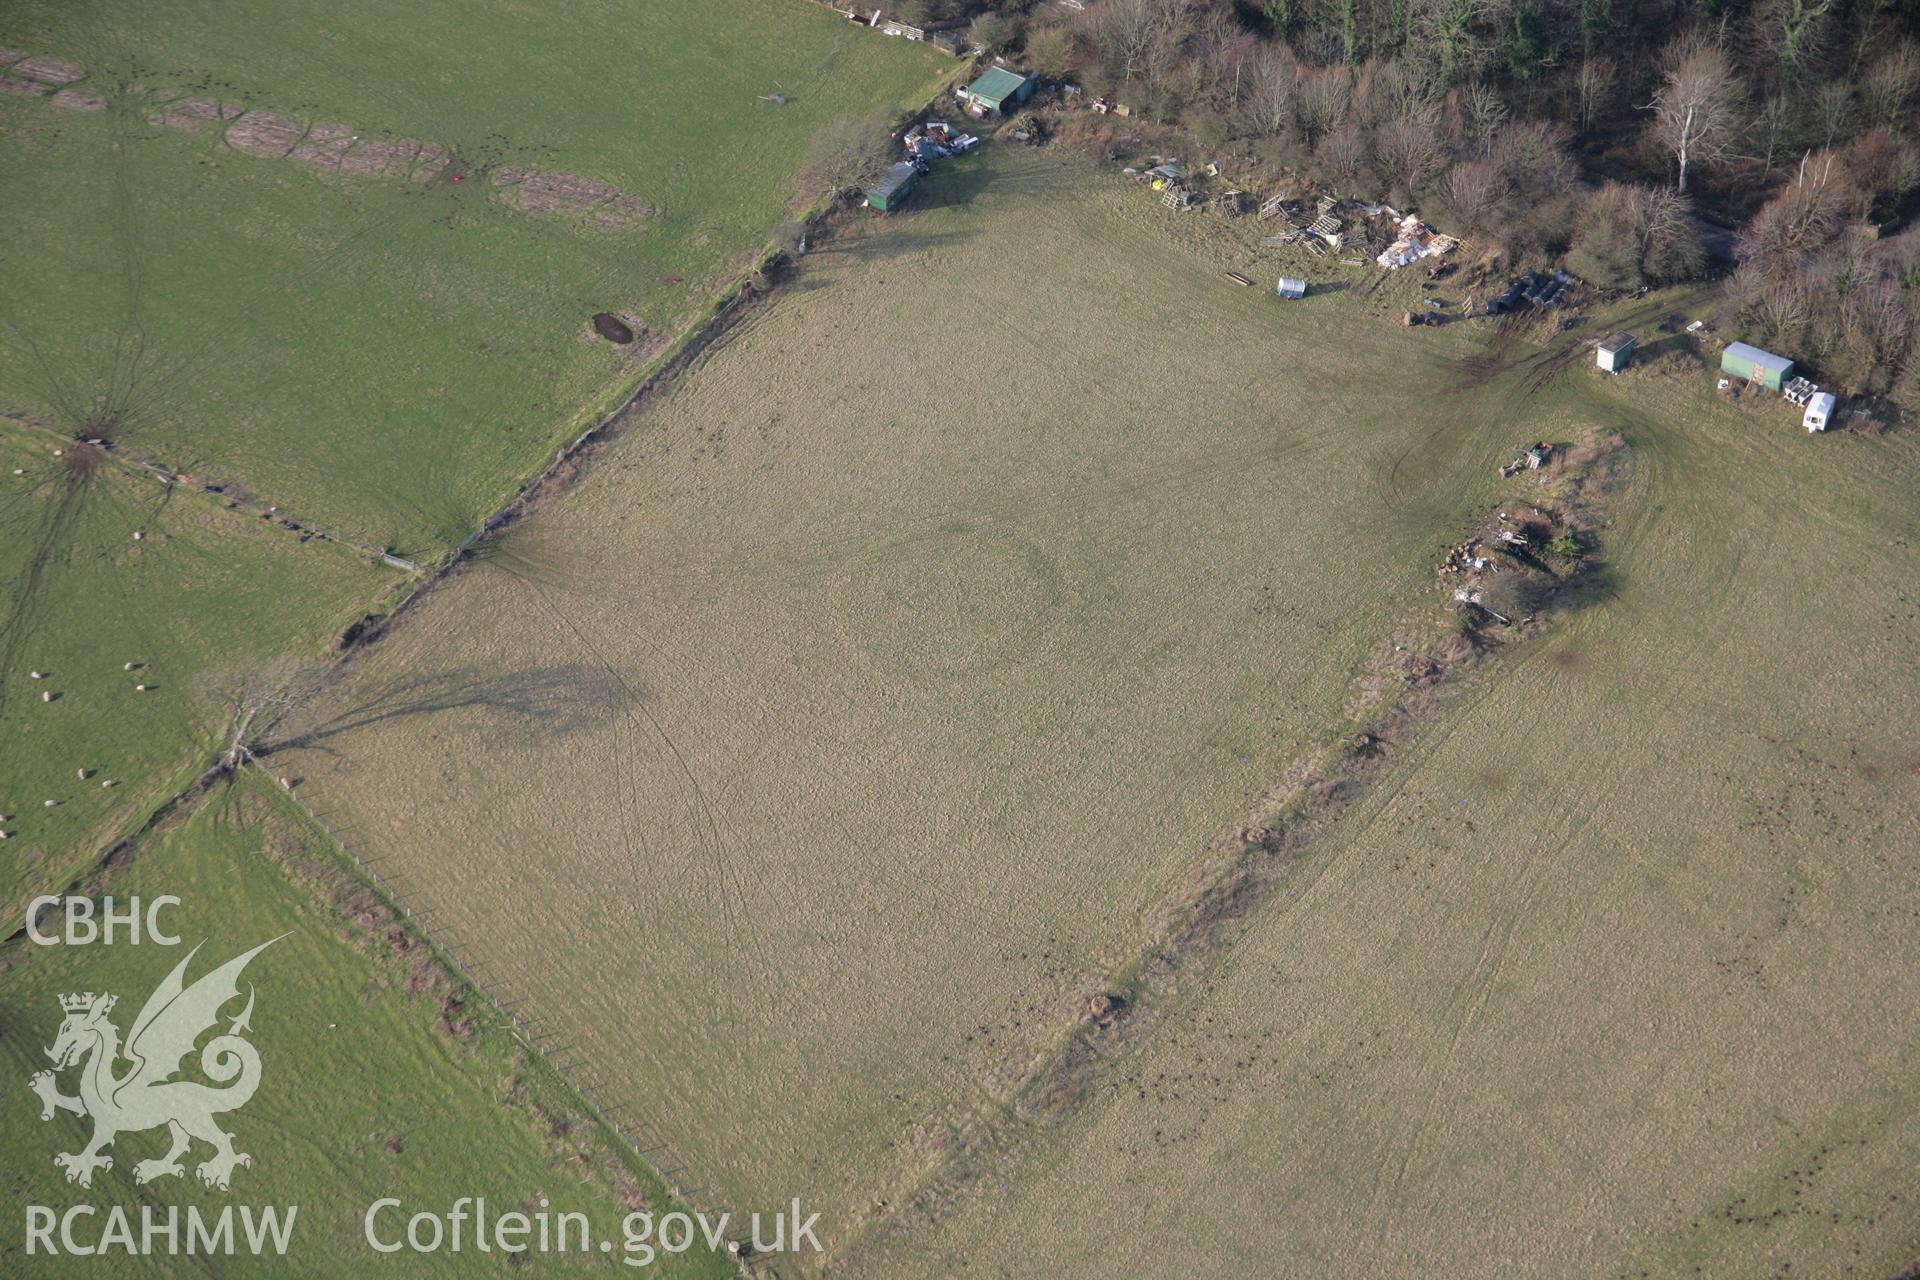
x=144, y=1097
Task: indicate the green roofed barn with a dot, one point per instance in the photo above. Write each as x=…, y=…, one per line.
x=1751, y=364
x=997, y=91
x=894, y=186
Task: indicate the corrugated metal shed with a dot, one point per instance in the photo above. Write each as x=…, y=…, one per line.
x=998, y=88
x=893, y=187
x=1291, y=288
x=1754, y=365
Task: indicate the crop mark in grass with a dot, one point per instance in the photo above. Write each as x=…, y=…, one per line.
x=1205, y=919
x=711, y=833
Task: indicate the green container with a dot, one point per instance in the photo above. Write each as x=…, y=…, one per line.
x=1751, y=364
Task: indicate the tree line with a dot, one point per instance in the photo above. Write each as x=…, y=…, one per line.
x=1612, y=134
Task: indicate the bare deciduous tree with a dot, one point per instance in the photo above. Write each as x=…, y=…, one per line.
x=848, y=153
x=1832, y=109
x=1802, y=219
x=1268, y=108
x=256, y=699
x=1891, y=84
x=1593, y=87
x=1409, y=150
x=1123, y=32
x=1696, y=110
x=1341, y=155
x=1482, y=113
x=1477, y=196
x=1326, y=96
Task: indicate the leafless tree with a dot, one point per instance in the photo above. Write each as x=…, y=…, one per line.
x=1798, y=222
x=1593, y=86
x=1123, y=32
x=1891, y=84
x=1832, y=109
x=1268, y=108
x=1409, y=150
x=1477, y=197
x=1341, y=155
x=1535, y=158
x=255, y=699
x=1874, y=332
x=1662, y=219
x=849, y=153
x=1773, y=124
x=1482, y=113
x=1326, y=96
x=1696, y=110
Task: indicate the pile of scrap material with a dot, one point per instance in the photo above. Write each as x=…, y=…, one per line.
x=1466, y=558
x=1416, y=241
x=1534, y=287
x=1531, y=458
x=935, y=140
x=1030, y=130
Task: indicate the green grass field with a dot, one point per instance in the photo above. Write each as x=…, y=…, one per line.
x=381, y=357
x=914, y=703
x=381, y=1075
x=205, y=596
x=861, y=703
x=1601, y=978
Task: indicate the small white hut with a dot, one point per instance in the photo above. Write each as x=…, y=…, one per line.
x=1819, y=412
x=1615, y=351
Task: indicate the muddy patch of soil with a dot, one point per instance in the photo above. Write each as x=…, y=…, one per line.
x=623, y=212
x=563, y=193
x=79, y=100
x=193, y=113
x=432, y=161
x=265, y=134
x=23, y=88
x=51, y=70
x=393, y=158
x=612, y=328
x=324, y=146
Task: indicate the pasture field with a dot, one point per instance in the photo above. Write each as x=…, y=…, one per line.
x=389, y=355
x=1611, y=974
x=204, y=597
x=381, y=1074
x=826, y=748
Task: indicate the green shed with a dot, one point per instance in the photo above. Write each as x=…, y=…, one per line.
x=894, y=186
x=1751, y=364
x=998, y=91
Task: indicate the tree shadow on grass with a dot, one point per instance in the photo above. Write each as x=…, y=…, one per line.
x=549, y=702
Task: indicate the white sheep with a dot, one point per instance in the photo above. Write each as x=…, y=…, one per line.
x=38, y=675
x=83, y=774
x=47, y=696
x=137, y=535
x=130, y=666
x=108, y=782
x=49, y=803
x=139, y=688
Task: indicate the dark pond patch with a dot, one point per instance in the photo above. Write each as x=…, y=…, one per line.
x=612, y=328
